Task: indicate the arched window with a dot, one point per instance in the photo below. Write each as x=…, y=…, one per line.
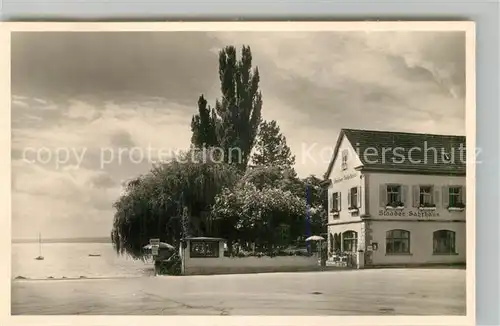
x=397, y=242
x=443, y=242
x=350, y=239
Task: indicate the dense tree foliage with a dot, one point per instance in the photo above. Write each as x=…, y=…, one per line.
x=270, y=207
x=203, y=193
x=271, y=148
x=317, y=197
x=253, y=216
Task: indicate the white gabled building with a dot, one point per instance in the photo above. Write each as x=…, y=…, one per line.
x=399, y=197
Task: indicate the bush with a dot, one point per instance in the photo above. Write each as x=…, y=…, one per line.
x=171, y=266
x=275, y=253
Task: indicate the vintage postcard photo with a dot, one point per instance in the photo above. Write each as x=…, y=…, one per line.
x=242, y=169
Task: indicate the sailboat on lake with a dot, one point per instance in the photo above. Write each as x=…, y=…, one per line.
x=40, y=257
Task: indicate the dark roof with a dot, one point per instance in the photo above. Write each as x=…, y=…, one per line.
x=448, y=158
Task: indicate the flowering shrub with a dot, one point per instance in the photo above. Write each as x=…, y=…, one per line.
x=395, y=204
x=276, y=253
x=260, y=213
x=457, y=205
x=427, y=205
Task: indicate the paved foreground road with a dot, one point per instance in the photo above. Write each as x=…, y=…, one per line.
x=365, y=292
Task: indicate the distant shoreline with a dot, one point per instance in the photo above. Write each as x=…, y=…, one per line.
x=65, y=240
x=83, y=278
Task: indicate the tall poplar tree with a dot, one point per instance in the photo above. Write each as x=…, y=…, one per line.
x=237, y=114
x=203, y=125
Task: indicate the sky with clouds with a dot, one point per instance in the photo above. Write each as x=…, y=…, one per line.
x=90, y=110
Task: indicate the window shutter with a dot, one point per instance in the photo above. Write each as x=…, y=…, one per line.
x=359, y=197
x=349, y=198
x=340, y=200
x=446, y=196
x=330, y=202
x=383, y=195
x=464, y=195
x=435, y=198
x=416, y=196
x=404, y=195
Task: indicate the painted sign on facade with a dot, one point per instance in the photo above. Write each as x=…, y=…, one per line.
x=413, y=213
x=345, y=177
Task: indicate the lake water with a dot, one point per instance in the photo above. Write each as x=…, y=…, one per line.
x=72, y=260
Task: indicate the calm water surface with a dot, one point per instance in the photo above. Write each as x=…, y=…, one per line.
x=73, y=260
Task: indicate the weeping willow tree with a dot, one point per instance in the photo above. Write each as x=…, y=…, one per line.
x=153, y=205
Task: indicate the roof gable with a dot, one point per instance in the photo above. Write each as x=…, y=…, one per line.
x=387, y=151
x=336, y=151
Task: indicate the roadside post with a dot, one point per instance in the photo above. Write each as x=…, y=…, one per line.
x=154, y=251
x=155, y=248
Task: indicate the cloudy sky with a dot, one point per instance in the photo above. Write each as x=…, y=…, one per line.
x=78, y=98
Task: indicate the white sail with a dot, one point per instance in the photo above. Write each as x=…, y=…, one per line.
x=40, y=257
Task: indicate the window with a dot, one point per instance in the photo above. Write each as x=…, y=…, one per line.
x=393, y=194
x=444, y=242
x=350, y=239
x=353, y=197
x=336, y=242
x=335, y=202
x=425, y=197
x=201, y=249
x=455, y=196
x=397, y=242
x=344, y=159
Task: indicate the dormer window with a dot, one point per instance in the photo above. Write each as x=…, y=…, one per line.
x=344, y=159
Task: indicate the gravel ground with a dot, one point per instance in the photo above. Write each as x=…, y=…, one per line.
x=362, y=292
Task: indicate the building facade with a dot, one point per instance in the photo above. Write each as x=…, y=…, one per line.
x=398, y=197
